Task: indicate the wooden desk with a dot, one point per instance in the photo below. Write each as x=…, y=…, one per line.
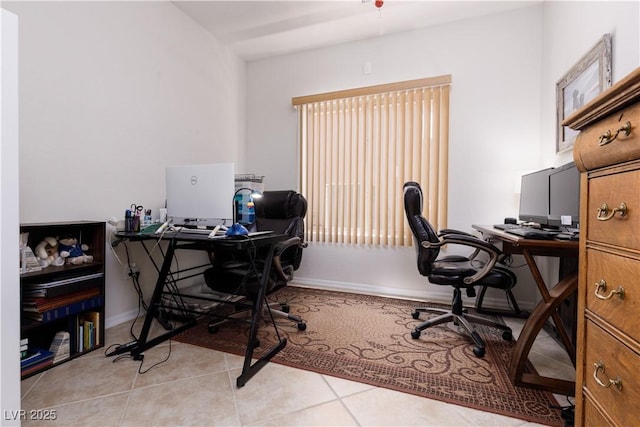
x=166, y=283
x=551, y=300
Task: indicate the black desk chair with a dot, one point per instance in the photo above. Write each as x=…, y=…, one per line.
x=282, y=212
x=458, y=272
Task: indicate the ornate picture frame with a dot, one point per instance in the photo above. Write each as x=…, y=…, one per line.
x=583, y=82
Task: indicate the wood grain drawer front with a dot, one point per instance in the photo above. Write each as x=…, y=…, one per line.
x=612, y=290
x=608, y=360
x=591, y=415
x=621, y=130
x=615, y=193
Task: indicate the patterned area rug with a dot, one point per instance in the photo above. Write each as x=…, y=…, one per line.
x=367, y=339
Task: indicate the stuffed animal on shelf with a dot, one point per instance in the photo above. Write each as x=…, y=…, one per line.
x=72, y=251
x=47, y=252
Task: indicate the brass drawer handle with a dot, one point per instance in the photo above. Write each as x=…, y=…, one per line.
x=602, y=285
x=604, y=210
x=617, y=382
x=608, y=137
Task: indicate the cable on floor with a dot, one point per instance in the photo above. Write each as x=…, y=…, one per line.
x=567, y=413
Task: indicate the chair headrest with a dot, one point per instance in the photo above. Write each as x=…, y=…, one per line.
x=412, y=198
x=280, y=205
x=420, y=228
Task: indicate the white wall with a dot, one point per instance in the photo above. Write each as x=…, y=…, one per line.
x=110, y=94
x=504, y=69
x=9, y=288
x=571, y=30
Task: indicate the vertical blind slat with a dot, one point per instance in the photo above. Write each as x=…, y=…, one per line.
x=377, y=180
x=362, y=171
x=333, y=178
x=444, y=159
x=354, y=171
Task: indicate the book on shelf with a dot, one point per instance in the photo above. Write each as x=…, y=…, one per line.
x=66, y=310
x=58, y=287
x=24, y=347
x=87, y=327
x=36, y=367
x=28, y=261
x=80, y=336
x=61, y=346
x=42, y=304
x=36, y=356
x=88, y=334
x=91, y=319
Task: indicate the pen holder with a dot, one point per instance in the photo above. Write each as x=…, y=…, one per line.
x=136, y=224
x=131, y=222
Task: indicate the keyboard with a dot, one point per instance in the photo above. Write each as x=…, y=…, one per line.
x=204, y=231
x=532, y=233
x=567, y=236
x=506, y=226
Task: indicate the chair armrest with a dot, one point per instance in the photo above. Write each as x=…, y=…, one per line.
x=461, y=239
x=474, y=242
x=283, y=245
x=279, y=249
x=446, y=231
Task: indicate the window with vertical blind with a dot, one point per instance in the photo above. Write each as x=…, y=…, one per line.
x=358, y=147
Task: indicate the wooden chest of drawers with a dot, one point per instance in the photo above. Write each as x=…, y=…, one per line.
x=607, y=152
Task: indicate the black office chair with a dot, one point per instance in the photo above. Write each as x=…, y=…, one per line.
x=282, y=212
x=459, y=272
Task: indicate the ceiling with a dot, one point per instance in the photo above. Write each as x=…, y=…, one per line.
x=260, y=29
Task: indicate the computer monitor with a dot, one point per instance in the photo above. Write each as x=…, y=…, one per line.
x=201, y=193
x=534, y=197
x=564, y=196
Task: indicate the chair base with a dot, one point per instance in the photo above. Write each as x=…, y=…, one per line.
x=459, y=317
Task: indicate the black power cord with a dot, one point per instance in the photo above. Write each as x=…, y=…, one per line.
x=567, y=413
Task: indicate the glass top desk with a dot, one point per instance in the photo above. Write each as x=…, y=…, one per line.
x=545, y=309
x=165, y=283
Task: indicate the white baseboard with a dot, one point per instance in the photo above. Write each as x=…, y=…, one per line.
x=431, y=293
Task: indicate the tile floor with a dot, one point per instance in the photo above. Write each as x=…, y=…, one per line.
x=196, y=386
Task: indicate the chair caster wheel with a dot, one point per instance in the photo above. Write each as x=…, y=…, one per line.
x=415, y=334
x=415, y=314
x=302, y=326
x=285, y=308
x=212, y=329
x=256, y=343
x=478, y=351
x=507, y=336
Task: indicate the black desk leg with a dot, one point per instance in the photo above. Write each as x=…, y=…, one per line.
x=248, y=370
x=161, y=316
x=137, y=347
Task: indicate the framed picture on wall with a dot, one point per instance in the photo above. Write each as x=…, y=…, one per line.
x=583, y=82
